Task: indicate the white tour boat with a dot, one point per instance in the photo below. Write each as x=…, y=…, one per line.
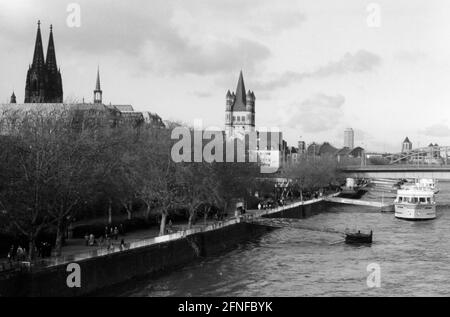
x=415, y=204
x=422, y=184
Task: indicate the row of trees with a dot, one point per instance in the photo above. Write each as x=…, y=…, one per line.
x=53, y=171
x=312, y=173
x=57, y=165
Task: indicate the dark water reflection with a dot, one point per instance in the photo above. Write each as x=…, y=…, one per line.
x=414, y=258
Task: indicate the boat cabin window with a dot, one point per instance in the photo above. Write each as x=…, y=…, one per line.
x=400, y=199
x=422, y=200
x=412, y=200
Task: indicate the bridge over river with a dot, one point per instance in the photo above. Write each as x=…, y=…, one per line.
x=398, y=171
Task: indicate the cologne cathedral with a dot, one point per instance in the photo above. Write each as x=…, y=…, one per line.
x=44, y=83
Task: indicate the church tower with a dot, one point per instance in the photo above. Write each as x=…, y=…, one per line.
x=240, y=110
x=13, y=98
x=44, y=83
x=36, y=76
x=54, y=93
x=98, y=90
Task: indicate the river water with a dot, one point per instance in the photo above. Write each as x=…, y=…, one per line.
x=413, y=258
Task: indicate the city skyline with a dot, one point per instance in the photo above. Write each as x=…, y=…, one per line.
x=302, y=89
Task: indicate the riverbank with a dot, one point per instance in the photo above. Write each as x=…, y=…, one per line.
x=102, y=268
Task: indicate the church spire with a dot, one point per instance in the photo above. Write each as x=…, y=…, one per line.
x=240, y=103
x=38, y=56
x=98, y=90
x=51, y=55
x=13, y=98
x=97, y=85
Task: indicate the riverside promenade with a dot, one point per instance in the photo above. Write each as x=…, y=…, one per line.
x=76, y=250
x=144, y=255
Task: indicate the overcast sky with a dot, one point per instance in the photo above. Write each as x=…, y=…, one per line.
x=316, y=67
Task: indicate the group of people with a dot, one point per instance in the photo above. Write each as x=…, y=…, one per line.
x=111, y=233
x=17, y=254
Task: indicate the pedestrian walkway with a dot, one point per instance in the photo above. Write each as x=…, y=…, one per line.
x=76, y=249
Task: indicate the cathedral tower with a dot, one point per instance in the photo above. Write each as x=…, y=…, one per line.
x=43, y=82
x=54, y=93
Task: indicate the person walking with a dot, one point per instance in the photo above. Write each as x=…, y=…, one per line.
x=121, y=229
x=12, y=253
x=19, y=253
x=116, y=233
x=91, y=240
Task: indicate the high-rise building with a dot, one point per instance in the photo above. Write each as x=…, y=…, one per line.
x=349, y=138
x=240, y=110
x=44, y=83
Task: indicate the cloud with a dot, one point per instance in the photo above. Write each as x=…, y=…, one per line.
x=276, y=21
x=316, y=114
x=147, y=35
x=202, y=94
x=359, y=62
x=437, y=130
x=219, y=57
x=409, y=56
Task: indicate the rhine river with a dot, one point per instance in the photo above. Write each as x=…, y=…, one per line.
x=414, y=258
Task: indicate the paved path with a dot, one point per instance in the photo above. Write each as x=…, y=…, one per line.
x=75, y=249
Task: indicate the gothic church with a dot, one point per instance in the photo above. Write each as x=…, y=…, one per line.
x=44, y=83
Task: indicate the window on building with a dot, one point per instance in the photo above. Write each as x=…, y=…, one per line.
x=234, y=118
x=238, y=119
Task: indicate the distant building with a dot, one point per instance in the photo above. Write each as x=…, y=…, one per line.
x=327, y=150
x=98, y=90
x=292, y=155
x=313, y=149
x=301, y=147
x=43, y=91
x=240, y=110
x=240, y=123
x=349, y=138
x=406, y=145
x=13, y=98
x=43, y=83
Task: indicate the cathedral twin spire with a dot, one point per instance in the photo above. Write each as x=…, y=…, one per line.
x=44, y=83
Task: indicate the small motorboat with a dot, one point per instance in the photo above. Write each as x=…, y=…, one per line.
x=358, y=237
